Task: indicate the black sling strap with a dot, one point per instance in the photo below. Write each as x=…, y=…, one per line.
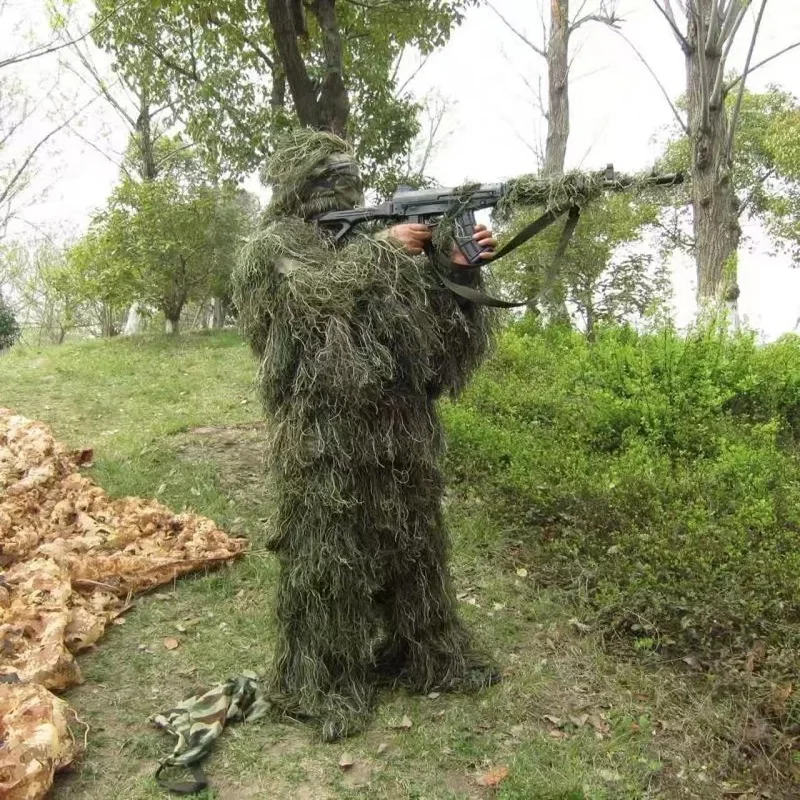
x=447, y=270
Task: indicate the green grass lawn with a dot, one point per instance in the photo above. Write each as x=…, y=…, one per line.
x=178, y=419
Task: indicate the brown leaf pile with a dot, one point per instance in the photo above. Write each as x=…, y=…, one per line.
x=70, y=558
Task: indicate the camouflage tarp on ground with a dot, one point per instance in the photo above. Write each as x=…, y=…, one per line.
x=70, y=558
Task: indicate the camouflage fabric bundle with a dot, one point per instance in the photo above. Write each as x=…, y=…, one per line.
x=355, y=342
x=198, y=722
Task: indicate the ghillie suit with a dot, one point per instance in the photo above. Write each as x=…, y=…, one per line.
x=356, y=343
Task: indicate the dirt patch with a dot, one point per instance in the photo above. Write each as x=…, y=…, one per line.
x=237, y=451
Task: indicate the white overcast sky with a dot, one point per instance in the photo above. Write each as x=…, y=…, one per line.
x=493, y=123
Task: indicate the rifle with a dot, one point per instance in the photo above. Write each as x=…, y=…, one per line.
x=431, y=206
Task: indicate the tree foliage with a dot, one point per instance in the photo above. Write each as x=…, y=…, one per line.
x=27, y=270
x=161, y=242
x=9, y=327
x=765, y=166
x=606, y=272
x=220, y=68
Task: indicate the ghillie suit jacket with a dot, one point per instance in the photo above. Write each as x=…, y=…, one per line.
x=356, y=342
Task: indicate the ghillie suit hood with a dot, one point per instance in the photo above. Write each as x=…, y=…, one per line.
x=356, y=341
x=312, y=172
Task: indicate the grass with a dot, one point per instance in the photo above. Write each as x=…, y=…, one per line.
x=177, y=419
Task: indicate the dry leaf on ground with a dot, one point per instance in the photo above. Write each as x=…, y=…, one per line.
x=493, y=777
x=36, y=740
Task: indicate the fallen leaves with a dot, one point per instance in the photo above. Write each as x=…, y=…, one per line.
x=561, y=728
x=493, y=777
x=73, y=557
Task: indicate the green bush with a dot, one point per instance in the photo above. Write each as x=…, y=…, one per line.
x=9, y=329
x=655, y=470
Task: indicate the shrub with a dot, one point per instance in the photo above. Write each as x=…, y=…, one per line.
x=657, y=470
x=9, y=329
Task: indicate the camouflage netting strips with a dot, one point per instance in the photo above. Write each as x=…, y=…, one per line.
x=355, y=342
x=71, y=557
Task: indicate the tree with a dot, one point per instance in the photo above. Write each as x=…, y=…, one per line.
x=26, y=272
x=9, y=327
x=765, y=167
x=97, y=280
x=607, y=272
x=18, y=113
x=706, y=31
x=237, y=70
x=554, y=48
x=163, y=240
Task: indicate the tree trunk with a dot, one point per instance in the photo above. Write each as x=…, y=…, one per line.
x=555, y=153
x=323, y=105
x=219, y=313
x=147, y=164
x=714, y=202
x=172, y=313
x=334, y=104
x=107, y=326
x=590, y=319
x=133, y=322
x=300, y=84
x=552, y=295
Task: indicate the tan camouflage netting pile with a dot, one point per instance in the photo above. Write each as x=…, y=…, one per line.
x=70, y=559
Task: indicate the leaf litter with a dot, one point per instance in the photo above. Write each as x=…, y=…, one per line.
x=70, y=559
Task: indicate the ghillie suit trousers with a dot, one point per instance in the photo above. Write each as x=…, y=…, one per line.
x=356, y=343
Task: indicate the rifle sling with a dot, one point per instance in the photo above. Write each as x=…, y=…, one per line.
x=528, y=232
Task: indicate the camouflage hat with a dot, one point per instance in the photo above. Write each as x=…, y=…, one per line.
x=312, y=172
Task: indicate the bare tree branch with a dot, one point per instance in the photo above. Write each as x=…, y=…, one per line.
x=6, y=192
x=761, y=64
x=173, y=153
x=435, y=117
x=119, y=164
x=712, y=41
x=536, y=48
x=411, y=77
x=738, y=107
x=733, y=19
x=100, y=85
x=666, y=10
x=719, y=91
x=397, y=63
x=609, y=18
x=370, y=6
x=702, y=67
x=761, y=181
x=51, y=47
x=684, y=126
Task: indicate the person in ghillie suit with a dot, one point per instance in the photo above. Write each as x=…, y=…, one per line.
x=356, y=341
